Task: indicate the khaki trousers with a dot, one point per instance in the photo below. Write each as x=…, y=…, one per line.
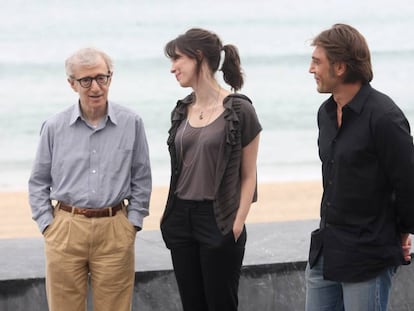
x=77, y=247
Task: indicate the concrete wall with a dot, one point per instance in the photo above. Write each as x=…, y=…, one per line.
x=265, y=287
x=268, y=281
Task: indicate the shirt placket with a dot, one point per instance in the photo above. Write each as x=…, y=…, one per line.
x=94, y=169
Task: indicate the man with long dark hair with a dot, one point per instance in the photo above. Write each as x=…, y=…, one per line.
x=367, y=154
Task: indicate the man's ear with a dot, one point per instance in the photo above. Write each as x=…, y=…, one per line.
x=72, y=84
x=110, y=78
x=340, y=68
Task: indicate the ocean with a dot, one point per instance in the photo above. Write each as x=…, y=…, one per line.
x=273, y=39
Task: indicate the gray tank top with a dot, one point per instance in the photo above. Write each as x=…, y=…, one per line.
x=199, y=149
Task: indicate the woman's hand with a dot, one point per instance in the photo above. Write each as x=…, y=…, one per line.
x=237, y=230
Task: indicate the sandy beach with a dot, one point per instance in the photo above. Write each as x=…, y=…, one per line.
x=281, y=201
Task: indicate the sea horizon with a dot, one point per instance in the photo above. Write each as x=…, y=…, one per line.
x=274, y=45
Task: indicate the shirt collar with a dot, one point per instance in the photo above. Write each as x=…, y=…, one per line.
x=111, y=113
x=357, y=102
x=77, y=114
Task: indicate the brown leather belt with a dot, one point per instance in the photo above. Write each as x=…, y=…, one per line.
x=91, y=212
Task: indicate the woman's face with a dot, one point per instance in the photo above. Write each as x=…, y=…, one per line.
x=185, y=69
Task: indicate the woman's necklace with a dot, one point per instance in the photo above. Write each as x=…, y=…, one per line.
x=200, y=117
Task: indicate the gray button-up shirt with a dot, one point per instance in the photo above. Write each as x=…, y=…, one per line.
x=91, y=167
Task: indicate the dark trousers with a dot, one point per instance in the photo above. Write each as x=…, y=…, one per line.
x=206, y=263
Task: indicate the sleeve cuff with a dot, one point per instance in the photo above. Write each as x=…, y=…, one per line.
x=135, y=218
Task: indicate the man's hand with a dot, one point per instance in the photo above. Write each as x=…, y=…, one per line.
x=406, y=246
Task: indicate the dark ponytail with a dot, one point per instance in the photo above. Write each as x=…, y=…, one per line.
x=197, y=40
x=232, y=73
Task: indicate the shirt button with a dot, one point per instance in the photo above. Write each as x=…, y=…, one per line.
x=93, y=171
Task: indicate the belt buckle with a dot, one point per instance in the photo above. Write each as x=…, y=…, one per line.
x=85, y=212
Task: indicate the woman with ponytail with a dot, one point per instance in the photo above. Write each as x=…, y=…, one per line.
x=213, y=143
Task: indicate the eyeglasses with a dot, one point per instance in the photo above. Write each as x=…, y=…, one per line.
x=86, y=82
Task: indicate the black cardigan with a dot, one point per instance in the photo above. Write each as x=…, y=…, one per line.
x=237, y=114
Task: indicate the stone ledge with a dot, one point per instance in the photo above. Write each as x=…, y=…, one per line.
x=263, y=287
x=276, y=242
x=272, y=276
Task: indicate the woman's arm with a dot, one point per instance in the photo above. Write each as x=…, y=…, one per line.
x=248, y=184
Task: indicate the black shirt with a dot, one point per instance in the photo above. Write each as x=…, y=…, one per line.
x=368, y=182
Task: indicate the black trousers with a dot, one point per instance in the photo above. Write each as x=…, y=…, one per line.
x=206, y=263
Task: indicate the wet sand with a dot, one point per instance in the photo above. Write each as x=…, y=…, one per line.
x=278, y=201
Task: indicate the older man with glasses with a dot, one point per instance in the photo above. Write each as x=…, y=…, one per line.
x=89, y=191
